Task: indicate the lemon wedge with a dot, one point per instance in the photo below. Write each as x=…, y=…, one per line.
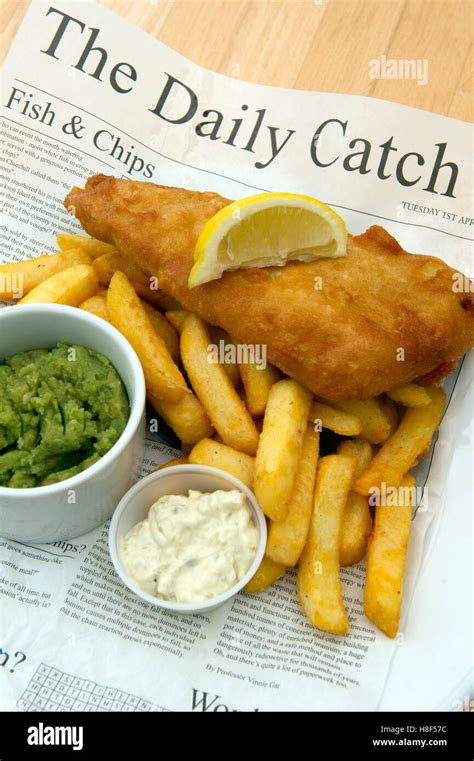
x=266, y=230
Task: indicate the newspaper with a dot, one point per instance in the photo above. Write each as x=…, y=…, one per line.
x=84, y=92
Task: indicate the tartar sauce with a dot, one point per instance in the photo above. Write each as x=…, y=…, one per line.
x=191, y=548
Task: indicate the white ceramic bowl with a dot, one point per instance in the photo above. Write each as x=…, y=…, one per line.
x=178, y=479
x=81, y=503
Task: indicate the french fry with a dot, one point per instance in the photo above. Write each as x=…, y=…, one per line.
x=410, y=395
x=319, y=584
x=164, y=329
x=257, y=384
x=360, y=450
x=386, y=559
x=108, y=264
x=97, y=305
x=391, y=412
x=90, y=246
x=336, y=420
x=210, y=452
x=357, y=520
x=375, y=423
x=356, y=528
x=280, y=446
x=187, y=418
x=19, y=278
x=71, y=287
x=177, y=317
x=286, y=539
x=401, y=451
x=219, y=398
x=265, y=575
x=163, y=378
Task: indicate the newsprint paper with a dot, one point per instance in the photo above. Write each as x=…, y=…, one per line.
x=84, y=92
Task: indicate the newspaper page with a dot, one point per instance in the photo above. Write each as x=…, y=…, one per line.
x=84, y=92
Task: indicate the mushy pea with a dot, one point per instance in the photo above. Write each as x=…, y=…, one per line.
x=61, y=410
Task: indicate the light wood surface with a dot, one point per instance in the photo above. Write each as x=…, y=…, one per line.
x=313, y=44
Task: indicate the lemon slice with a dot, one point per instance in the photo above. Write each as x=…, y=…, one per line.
x=266, y=230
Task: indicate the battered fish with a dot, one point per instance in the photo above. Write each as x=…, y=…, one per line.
x=347, y=328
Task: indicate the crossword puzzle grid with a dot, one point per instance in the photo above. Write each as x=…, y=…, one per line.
x=52, y=690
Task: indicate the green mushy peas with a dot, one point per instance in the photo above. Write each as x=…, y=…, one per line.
x=61, y=410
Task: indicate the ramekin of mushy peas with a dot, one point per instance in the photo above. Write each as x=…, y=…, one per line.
x=61, y=410
x=72, y=421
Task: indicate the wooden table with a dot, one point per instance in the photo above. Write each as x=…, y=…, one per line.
x=314, y=44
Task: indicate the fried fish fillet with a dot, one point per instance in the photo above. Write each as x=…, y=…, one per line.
x=347, y=328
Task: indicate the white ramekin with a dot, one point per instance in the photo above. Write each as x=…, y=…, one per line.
x=178, y=479
x=81, y=503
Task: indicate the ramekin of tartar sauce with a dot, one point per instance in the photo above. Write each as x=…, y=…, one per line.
x=187, y=538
